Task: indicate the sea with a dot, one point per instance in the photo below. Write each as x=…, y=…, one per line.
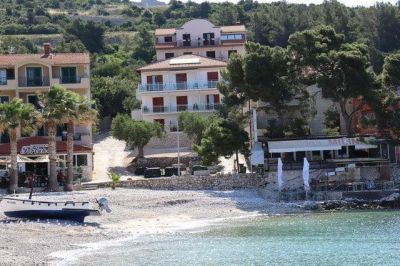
x=337, y=238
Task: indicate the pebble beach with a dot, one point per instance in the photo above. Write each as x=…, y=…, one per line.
x=134, y=213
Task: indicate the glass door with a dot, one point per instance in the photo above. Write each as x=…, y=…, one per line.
x=34, y=76
x=68, y=75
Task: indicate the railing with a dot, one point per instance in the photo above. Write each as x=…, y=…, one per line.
x=64, y=80
x=178, y=86
x=36, y=82
x=180, y=108
x=198, y=43
x=165, y=43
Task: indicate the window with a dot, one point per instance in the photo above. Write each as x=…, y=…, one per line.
x=187, y=53
x=210, y=54
x=80, y=160
x=10, y=73
x=169, y=55
x=231, y=52
x=34, y=100
x=34, y=76
x=3, y=77
x=186, y=39
x=168, y=39
x=208, y=39
x=228, y=37
x=4, y=99
x=68, y=75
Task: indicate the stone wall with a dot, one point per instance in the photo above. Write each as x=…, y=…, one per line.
x=189, y=182
x=163, y=162
x=171, y=141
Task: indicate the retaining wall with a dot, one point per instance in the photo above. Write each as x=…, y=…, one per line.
x=189, y=182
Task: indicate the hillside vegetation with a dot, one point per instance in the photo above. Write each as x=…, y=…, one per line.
x=119, y=34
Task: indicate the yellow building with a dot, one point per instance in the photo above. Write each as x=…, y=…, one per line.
x=27, y=75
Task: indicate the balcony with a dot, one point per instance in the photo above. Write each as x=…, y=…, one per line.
x=179, y=86
x=35, y=82
x=78, y=82
x=157, y=109
x=166, y=44
x=193, y=43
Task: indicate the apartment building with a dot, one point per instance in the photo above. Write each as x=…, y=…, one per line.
x=187, y=70
x=200, y=37
x=27, y=75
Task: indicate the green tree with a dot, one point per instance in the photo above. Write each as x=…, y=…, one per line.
x=275, y=83
x=78, y=111
x=193, y=125
x=89, y=33
x=110, y=93
x=143, y=45
x=15, y=115
x=56, y=107
x=341, y=69
x=135, y=133
x=222, y=137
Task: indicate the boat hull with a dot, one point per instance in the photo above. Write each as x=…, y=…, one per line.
x=29, y=209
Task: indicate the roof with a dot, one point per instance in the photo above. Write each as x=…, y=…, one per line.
x=224, y=29
x=7, y=60
x=184, y=62
x=316, y=145
x=234, y=28
x=61, y=145
x=165, y=31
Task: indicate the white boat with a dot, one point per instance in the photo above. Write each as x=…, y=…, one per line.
x=34, y=209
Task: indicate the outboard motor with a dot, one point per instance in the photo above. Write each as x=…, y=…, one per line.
x=103, y=204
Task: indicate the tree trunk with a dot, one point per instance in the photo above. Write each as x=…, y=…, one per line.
x=53, y=182
x=346, y=117
x=14, y=161
x=70, y=150
x=237, y=162
x=140, y=152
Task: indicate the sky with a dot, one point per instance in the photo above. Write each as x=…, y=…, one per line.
x=346, y=2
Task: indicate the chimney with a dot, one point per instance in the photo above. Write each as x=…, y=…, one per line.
x=47, y=48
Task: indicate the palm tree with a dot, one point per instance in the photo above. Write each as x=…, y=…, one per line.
x=56, y=107
x=81, y=113
x=15, y=115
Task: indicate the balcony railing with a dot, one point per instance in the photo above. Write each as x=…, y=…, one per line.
x=68, y=80
x=180, y=108
x=36, y=82
x=178, y=86
x=199, y=43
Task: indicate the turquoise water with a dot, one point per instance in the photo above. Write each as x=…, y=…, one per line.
x=347, y=238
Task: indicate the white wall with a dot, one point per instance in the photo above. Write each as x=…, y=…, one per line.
x=196, y=28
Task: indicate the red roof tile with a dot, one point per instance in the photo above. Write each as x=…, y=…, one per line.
x=61, y=145
x=8, y=60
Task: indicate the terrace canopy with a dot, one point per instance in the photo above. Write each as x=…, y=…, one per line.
x=316, y=145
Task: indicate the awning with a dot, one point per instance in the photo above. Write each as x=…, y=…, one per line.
x=24, y=159
x=42, y=159
x=316, y=145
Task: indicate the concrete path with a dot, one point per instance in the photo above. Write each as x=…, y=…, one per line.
x=109, y=155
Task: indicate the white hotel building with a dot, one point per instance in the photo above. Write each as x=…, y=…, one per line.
x=188, y=67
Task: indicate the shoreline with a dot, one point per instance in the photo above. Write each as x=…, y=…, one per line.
x=136, y=213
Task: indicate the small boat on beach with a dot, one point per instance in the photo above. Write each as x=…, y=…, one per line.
x=34, y=209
